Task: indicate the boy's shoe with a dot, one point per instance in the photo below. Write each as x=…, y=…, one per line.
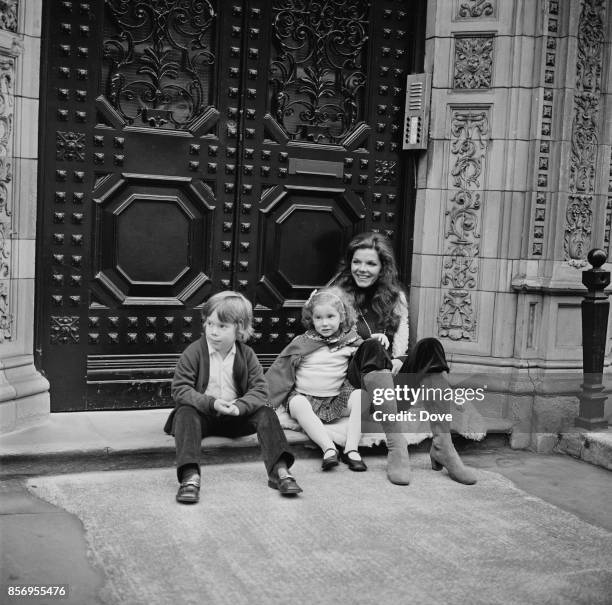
x=287, y=486
x=189, y=490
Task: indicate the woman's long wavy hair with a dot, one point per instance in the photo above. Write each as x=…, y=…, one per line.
x=387, y=288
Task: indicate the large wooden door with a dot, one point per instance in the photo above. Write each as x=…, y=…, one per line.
x=194, y=146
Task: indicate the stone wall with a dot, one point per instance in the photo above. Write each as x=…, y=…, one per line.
x=24, y=396
x=513, y=192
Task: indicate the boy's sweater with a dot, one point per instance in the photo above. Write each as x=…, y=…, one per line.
x=192, y=374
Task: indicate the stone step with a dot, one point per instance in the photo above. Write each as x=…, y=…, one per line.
x=594, y=447
x=115, y=437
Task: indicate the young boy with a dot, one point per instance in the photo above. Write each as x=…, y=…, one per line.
x=219, y=389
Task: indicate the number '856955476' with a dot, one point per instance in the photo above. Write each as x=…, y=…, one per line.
x=58, y=591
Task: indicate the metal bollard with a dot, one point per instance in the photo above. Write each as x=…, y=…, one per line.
x=595, y=309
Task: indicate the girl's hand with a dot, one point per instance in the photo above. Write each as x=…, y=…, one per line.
x=397, y=366
x=382, y=339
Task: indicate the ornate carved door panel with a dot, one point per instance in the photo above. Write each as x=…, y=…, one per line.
x=323, y=109
x=193, y=146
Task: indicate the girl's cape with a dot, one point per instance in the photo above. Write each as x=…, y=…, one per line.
x=281, y=374
x=311, y=341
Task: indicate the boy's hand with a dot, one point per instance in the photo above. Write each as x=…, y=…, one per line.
x=226, y=407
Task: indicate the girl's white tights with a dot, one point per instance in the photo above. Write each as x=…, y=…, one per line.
x=301, y=410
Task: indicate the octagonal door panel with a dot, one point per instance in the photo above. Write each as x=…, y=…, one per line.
x=195, y=146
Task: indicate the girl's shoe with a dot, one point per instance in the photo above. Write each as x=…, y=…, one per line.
x=329, y=461
x=354, y=465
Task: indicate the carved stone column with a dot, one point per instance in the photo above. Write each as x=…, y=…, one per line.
x=24, y=396
x=585, y=133
x=570, y=206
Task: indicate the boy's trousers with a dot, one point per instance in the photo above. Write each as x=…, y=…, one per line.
x=190, y=426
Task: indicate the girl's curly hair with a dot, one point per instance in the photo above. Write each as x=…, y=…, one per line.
x=386, y=291
x=334, y=297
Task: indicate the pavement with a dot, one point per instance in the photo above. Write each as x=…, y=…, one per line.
x=68, y=488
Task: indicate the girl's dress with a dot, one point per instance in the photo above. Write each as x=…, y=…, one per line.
x=315, y=367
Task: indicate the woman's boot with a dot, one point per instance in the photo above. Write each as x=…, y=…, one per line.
x=443, y=452
x=398, y=463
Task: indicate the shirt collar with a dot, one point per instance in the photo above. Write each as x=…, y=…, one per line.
x=212, y=350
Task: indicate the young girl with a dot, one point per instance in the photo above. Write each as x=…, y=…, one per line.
x=309, y=376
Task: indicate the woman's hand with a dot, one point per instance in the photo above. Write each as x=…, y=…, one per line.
x=397, y=366
x=382, y=339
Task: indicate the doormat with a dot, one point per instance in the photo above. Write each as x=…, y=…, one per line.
x=349, y=538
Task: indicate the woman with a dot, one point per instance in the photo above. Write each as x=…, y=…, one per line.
x=369, y=276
